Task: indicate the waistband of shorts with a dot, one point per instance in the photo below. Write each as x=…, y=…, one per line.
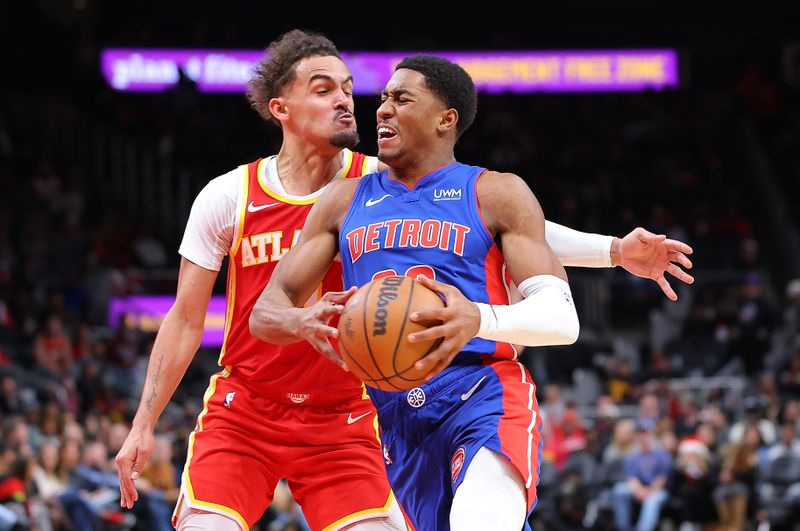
x=401, y=405
x=294, y=397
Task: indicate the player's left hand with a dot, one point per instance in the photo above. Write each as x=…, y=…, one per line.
x=649, y=255
x=460, y=322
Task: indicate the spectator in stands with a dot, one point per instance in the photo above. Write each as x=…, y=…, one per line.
x=668, y=441
x=92, y=496
x=693, y=483
x=791, y=414
x=570, y=432
x=49, y=483
x=739, y=468
x=601, y=434
x=53, y=349
x=647, y=471
x=623, y=441
x=789, y=378
x=718, y=422
x=753, y=416
x=649, y=409
x=688, y=419
x=12, y=490
x=769, y=397
x=788, y=337
x=10, y=399
x=158, y=484
x=553, y=405
x=788, y=444
x=752, y=324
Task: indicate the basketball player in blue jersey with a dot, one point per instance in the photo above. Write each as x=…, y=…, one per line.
x=463, y=450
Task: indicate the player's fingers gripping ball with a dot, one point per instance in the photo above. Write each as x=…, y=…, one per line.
x=374, y=329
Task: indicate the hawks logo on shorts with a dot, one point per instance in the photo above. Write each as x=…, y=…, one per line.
x=457, y=462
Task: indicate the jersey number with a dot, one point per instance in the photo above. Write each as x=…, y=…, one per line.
x=413, y=272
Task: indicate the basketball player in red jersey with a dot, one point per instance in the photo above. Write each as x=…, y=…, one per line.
x=283, y=411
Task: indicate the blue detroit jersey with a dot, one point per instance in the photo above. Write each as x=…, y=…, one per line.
x=434, y=229
x=431, y=433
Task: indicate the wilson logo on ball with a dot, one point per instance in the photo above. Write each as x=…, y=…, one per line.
x=386, y=294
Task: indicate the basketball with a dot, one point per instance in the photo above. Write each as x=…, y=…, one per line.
x=374, y=329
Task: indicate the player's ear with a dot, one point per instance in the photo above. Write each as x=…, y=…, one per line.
x=278, y=108
x=448, y=120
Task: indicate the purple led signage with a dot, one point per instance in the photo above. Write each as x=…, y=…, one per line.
x=145, y=313
x=151, y=70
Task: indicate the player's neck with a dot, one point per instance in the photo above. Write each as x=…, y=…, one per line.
x=303, y=169
x=410, y=173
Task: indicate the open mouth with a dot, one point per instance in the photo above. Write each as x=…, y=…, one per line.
x=386, y=133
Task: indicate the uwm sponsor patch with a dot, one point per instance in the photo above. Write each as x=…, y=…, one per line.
x=447, y=194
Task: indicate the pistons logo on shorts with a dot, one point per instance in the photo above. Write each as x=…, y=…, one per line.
x=457, y=462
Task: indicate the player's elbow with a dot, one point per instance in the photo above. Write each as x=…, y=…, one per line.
x=563, y=329
x=571, y=327
x=256, y=322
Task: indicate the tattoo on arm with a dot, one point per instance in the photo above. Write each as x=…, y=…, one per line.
x=156, y=378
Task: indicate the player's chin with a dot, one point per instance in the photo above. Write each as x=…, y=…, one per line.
x=389, y=149
x=387, y=156
x=347, y=138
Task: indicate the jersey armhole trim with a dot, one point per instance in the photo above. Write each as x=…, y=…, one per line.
x=478, y=215
x=240, y=211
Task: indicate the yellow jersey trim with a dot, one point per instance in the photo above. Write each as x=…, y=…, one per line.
x=347, y=161
x=215, y=507
x=338, y=524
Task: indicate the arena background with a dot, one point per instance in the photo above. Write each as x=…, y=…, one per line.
x=95, y=187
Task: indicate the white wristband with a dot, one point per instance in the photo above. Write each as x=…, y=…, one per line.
x=545, y=316
x=578, y=249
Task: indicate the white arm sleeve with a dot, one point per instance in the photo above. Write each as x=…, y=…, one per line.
x=578, y=249
x=212, y=222
x=545, y=316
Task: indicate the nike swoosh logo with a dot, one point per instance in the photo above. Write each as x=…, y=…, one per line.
x=466, y=396
x=351, y=419
x=370, y=202
x=253, y=208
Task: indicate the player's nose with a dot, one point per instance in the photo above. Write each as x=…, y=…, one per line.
x=342, y=100
x=385, y=110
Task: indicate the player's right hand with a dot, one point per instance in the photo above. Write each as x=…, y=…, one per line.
x=130, y=462
x=315, y=323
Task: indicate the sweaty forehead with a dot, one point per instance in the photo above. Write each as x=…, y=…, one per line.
x=322, y=65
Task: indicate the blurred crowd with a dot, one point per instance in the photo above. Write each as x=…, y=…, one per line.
x=624, y=445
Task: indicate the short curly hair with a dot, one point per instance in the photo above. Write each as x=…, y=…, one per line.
x=450, y=83
x=277, y=69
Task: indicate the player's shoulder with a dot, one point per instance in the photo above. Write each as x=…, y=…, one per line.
x=348, y=186
x=506, y=183
x=226, y=186
x=504, y=195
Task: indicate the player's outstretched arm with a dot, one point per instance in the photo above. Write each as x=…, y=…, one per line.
x=177, y=341
x=640, y=252
x=545, y=316
x=279, y=316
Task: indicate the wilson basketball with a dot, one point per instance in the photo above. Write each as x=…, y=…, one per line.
x=374, y=329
